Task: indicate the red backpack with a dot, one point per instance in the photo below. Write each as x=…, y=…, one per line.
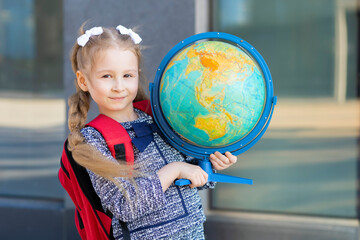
x=91, y=221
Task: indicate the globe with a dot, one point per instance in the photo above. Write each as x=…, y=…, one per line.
x=212, y=93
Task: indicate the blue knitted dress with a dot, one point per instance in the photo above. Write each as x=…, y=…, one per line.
x=148, y=212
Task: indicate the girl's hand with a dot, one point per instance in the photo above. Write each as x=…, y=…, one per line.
x=176, y=170
x=194, y=173
x=221, y=162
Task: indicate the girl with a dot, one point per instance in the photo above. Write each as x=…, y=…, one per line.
x=106, y=62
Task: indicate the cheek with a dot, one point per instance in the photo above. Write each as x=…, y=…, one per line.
x=133, y=87
x=136, y=87
x=99, y=90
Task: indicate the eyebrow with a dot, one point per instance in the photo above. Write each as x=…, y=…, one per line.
x=131, y=70
x=109, y=70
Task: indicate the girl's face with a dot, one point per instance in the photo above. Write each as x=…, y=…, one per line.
x=113, y=83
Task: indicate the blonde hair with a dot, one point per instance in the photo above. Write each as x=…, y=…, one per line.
x=82, y=59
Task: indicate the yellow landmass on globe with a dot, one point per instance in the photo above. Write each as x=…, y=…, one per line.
x=209, y=62
x=214, y=126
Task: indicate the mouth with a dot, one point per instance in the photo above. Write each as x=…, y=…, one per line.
x=117, y=98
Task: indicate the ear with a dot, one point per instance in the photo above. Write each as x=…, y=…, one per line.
x=81, y=81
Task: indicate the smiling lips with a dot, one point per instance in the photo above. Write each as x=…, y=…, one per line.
x=117, y=98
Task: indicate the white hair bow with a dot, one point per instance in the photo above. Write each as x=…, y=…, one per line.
x=127, y=31
x=83, y=39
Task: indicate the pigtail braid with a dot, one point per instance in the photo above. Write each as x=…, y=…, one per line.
x=79, y=105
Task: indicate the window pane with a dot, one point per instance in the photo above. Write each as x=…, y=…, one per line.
x=306, y=163
x=31, y=98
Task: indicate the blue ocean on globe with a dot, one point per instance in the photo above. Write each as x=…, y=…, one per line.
x=212, y=93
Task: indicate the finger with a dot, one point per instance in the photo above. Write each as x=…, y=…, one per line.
x=217, y=163
x=193, y=181
x=199, y=178
x=201, y=181
x=216, y=166
x=202, y=178
x=198, y=182
x=206, y=176
x=232, y=158
x=222, y=158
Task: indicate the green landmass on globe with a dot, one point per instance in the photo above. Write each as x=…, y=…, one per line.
x=212, y=93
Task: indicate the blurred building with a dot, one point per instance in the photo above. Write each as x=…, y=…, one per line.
x=305, y=168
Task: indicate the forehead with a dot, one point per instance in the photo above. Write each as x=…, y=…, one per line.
x=115, y=58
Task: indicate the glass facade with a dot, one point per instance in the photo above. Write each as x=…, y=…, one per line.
x=32, y=105
x=307, y=161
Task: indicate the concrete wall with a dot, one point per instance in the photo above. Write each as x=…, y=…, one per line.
x=162, y=24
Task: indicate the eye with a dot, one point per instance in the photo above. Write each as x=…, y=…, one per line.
x=106, y=76
x=127, y=75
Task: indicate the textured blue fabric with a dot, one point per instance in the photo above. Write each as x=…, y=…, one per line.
x=148, y=212
x=143, y=134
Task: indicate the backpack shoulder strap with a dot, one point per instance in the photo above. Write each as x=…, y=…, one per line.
x=116, y=137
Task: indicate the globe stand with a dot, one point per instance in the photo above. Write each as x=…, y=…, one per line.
x=214, y=177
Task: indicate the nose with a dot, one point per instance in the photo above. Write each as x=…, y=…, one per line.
x=118, y=85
